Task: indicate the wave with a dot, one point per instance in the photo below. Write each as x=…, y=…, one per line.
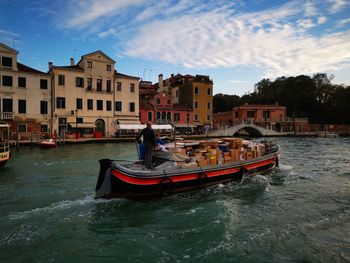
x=65, y=204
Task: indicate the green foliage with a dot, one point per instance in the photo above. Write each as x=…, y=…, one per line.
x=313, y=97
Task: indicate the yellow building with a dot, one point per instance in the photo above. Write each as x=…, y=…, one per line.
x=89, y=97
x=197, y=92
x=25, y=94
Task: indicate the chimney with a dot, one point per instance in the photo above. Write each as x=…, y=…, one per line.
x=160, y=81
x=50, y=65
x=72, y=61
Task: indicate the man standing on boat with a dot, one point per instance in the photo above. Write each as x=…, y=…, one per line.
x=149, y=140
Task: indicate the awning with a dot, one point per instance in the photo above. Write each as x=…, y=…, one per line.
x=184, y=125
x=162, y=127
x=141, y=126
x=129, y=121
x=82, y=125
x=130, y=126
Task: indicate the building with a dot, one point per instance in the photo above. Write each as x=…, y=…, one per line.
x=160, y=109
x=91, y=97
x=83, y=95
x=126, y=99
x=193, y=91
x=25, y=95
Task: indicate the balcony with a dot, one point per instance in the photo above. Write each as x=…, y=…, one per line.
x=7, y=115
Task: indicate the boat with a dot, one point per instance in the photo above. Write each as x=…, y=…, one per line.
x=5, y=153
x=185, y=168
x=327, y=134
x=46, y=144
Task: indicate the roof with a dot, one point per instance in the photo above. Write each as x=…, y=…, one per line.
x=74, y=67
x=24, y=68
x=98, y=51
x=120, y=75
x=11, y=50
x=260, y=106
x=182, y=107
x=146, y=105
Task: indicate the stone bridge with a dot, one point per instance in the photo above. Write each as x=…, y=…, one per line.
x=251, y=129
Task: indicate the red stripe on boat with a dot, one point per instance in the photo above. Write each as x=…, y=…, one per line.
x=174, y=178
x=258, y=164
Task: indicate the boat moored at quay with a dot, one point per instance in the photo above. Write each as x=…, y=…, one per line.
x=5, y=153
x=185, y=166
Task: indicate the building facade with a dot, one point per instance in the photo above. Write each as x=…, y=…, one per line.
x=91, y=98
x=25, y=95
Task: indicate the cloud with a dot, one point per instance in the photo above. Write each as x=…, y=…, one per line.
x=337, y=5
x=80, y=14
x=343, y=22
x=277, y=40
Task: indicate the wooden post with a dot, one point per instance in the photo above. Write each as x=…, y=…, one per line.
x=31, y=140
x=17, y=142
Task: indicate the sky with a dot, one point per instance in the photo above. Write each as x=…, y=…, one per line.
x=236, y=42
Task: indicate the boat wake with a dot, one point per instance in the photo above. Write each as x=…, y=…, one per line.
x=62, y=205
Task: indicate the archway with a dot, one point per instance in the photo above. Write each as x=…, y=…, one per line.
x=100, y=126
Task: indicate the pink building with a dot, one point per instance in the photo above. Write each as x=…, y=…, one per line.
x=160, y=109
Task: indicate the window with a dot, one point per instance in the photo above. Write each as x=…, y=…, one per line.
x=118, y=106
x=158, y=101
x=109, y=67
x=196, y=104
x=209, y=91
x=22, y=128
x=89, y=84
x=99, y=104
x=43, y=107
x=196, y=118
x=108, y=85
x=208, y=117
x=108, y=105
x=132, y=87
x=6, y=62
x=62, y=124
x=132, y=106
x=61, y=80
x=158, y=115
x=61, y=102
x=119, y=86
x=163, y=115
x=43, y=84
x=89, y=64
x=236, y=114
x=196, y=91
x=90, y=104
x=7, y=105
x=22, y=106
x=80, y=120
x=168, y=116
x=150, y=116
x=250, y=114
x=208, y=105
x=168, y=102
x=79, y=105
x=79, y=82
x=266, y=115
x=99, y=85
x=176, y=116
x=21, y=82
x=188, y=117
x=44, y=128
x=7, y=81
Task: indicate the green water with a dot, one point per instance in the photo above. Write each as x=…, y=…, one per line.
x=298, y=213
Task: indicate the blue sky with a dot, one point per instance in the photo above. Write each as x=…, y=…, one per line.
x=235, y=42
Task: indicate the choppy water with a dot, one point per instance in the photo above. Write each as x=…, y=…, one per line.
x=298, y=213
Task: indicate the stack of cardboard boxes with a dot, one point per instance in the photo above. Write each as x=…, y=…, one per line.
x=216, y=152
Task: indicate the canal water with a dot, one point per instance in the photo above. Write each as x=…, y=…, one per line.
x=300, y=212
